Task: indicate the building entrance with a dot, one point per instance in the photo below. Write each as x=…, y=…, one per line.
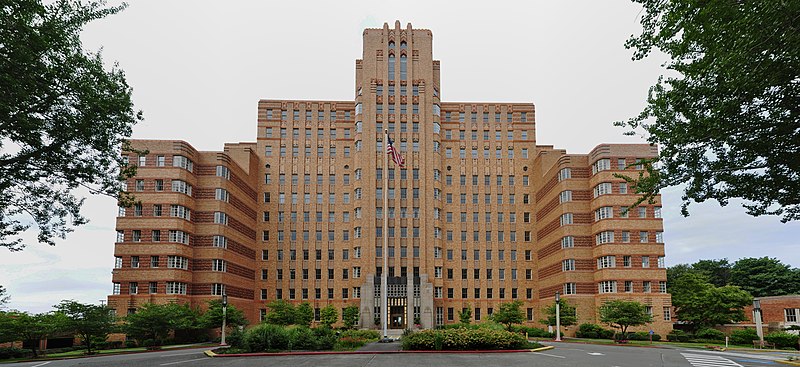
x=397, y=317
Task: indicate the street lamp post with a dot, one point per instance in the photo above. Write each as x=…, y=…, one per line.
x=558, y=317
x=224, y=318
x=757, y=316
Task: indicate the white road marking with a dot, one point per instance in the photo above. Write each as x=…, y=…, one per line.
x=705, y=360
x=550, y=355
x=595, y=354
x=191, y=360
x=182, y=354
x=41, y=364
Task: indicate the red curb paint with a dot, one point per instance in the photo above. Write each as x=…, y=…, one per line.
x=282, y=354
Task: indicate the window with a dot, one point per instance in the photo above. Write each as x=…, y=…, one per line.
x=661, y=263
x=606, y=262
x=134, y=261
x=117, y=262
x=120, y=236
x=568, y=265
x=601, y=165
x=565, y=196
x=570, y=288
x=790, y=314
x=628, y=286
x=223, y=171
x=218, y=265
x=565, y=219
x=667, y=313
x=182, y=162
x=564, y=173
x=176, y=288
x=603, y=213
x=179, y=236
x=218, y=289
x=657, y=213
x=626, y=261
x=154, y=261
x=646, y=286
x=645, y=261
x=180, y=211
x=660, y=237
x=182, y=187
x=566, y=242
x=602, y=189
x=160, y=161
x=623, y=188
x=220, y=218
x=177, y=262
x=607, y=286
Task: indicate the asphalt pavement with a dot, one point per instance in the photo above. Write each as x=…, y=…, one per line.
x=565, y=354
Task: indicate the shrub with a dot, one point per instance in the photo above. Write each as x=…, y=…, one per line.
x=11, y=352
x=678, y=336
x=712, y=334
x=643, y=335
x=463, y=339
x=130, y=344
x=265, y=337
x=326, y=338
x=593, y=331
x=533, y=332
x=782, y=339
x=744, y=336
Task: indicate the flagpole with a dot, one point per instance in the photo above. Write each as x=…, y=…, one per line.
x=385, y=234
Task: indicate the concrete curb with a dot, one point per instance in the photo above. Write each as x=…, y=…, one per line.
x=211, y=353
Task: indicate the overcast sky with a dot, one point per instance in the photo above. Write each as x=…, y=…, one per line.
x=198, y=69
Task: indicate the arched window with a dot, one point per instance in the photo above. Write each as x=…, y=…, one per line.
x=391, y=45
x=403, y=67
x=403, y=45
x=391, y=67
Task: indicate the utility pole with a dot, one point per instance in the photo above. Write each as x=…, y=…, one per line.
x=759, y=327
x=558, y=317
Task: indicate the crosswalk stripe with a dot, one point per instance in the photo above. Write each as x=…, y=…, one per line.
x=705, y=360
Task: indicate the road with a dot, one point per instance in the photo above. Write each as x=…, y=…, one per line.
x=565, y=354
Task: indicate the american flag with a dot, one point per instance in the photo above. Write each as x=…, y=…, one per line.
x=394, y=154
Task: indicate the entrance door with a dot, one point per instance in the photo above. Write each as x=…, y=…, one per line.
x=397, y=317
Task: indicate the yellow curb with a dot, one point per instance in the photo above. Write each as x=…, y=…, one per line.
x=210, y=353
x=791, y=363
x=542, y=348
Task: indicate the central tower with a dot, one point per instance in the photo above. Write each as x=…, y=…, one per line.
x=397, y=83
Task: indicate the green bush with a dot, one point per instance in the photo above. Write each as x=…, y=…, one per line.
x=678, y=336
x=712, y=334
x=11, y=352
x=533, y=332
x=265, y=337
x=593, y=331
x=463, y=339
x=326, y=338
x=643, y=335
x=782, y=339
x=744, y=336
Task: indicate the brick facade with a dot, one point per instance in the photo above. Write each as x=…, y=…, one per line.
x=475, y=220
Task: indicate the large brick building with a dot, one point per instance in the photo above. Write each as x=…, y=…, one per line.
x=481, y=215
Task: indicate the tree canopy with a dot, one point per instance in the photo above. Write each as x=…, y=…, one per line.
x=3, y=297
x=64, y=118
x=509, y=313
x=212, y=318
x=758, y=276
x=350, y=317
x=726, y=118
x=329, y=315
x=153, y=323
x=701, y=304
x=623, y=314
x=92, y=323
x=30, y=328
x=280, y=313
x=566, y=311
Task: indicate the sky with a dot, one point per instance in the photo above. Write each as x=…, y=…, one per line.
x=198, y=69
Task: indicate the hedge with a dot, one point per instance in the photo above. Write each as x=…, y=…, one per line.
x=744, y=336
x=782, y=339
x=463, y=339
x=593, y=331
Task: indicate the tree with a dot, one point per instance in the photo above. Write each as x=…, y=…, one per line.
x=465, y=316
x=63, y=117
x=717, y=271
x=329, y=315
x=29, y=328
x=3, y=297
x=701, y=304
x=152, y=323
x=280, y=313
x=304, y=314
x=566, y=311
x=508, y=314
x=765, y=277
x=726, y=122
x=350, y=317
x=92, y=323
x=623, y=314
x=212, y=318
